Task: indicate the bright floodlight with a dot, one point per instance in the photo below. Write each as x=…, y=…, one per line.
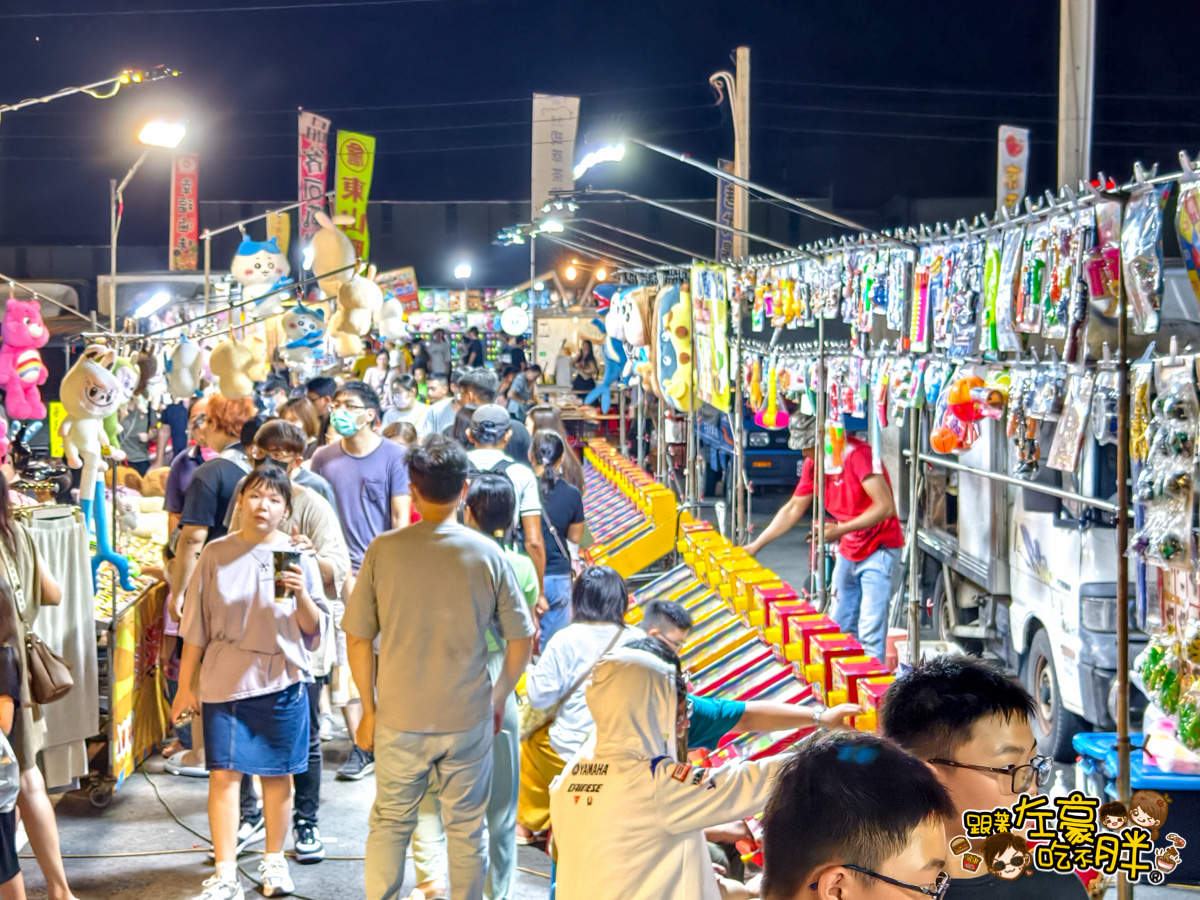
x=601, y=274
x=551, y=226
x=153, y=305
x=306, y=258
x=162, y=134
x=615, y=153
x=539, y=285
x=462, y=271
x=570, y=273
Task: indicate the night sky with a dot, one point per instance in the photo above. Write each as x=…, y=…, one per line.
x=864, y=101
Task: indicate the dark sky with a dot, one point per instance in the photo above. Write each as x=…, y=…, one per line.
x=867, y=100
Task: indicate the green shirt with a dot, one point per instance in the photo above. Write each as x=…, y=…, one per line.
x=523, y=568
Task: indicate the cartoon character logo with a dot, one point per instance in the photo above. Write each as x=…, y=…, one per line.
x=1148, y=809
x=1006, y=855
x=1113, y=816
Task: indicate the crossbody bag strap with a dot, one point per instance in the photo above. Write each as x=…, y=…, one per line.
x=582, y=678
x=562, y=548
x=10, y=570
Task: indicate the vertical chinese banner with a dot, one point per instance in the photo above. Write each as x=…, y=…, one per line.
x=279, y=226
x=185, y=212
x=352, y=183
x=314, y=162
x=1012, y=166
x=554, y=123
x=724, y=212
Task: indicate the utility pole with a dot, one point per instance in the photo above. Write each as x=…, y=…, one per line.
x=1076, y=89
x=740, y=106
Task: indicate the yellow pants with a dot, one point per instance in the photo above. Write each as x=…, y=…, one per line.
x=539, y=766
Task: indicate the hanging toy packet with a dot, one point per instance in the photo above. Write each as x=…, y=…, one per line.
x=1188, y=228
x=1142, y=255
x=1068, y=437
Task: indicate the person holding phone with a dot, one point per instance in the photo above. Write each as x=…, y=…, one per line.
x=246, y=658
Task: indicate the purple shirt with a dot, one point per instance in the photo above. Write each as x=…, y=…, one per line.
x=183, y=466
x=364, y=487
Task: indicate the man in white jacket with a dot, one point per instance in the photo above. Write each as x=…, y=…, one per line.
x=629, y=813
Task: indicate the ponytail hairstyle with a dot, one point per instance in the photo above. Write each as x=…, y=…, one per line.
x=547, y=451
x=492, y=501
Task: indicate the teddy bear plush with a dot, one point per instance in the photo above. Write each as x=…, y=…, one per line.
x=234, y=364
x=21, y=367
x=390, y=320
x=332, y=254
x=358, y=299
x=184, y=370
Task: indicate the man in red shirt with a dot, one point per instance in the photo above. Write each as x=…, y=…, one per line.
x=862, y=519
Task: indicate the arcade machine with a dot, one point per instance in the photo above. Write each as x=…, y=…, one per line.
x=630, y=516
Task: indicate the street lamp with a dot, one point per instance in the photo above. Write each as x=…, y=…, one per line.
x=157, y=133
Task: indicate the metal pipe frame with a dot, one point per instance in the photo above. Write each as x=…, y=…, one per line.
x=642, y=237
x=588, y=251
x=213, y=232
x=579, y=232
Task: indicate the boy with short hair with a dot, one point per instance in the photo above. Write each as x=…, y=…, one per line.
x=971, y=723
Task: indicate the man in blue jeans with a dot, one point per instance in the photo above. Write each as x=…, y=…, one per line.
x=862, y=519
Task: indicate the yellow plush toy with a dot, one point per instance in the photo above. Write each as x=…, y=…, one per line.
x=235, y=364
x=359, y=299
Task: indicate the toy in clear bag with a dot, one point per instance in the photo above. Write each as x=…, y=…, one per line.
x=1187, y=227
x=772, y=416
x=900, y=382
x=1141, y=255
x=899, y=281
x=1007, y=338
x=867, y=292
x=1022, y=428
x=1049, y=391
x=989, y=341
x=965, y=290
x=918, y=331
x=849, y=277
x=1102, y=262
x=1105, y=397
x=758, y=319
x=1189, y=717
x=1139, y=417
x=1164, y=487
x=1068, y=437
x=1056, y=292
x=940, y=268
x=934, y=379
x=1027, y=310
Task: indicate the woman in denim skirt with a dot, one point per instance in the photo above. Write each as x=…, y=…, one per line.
x=247, y=636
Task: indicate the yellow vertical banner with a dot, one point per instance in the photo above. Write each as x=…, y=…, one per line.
x=279, y=226
x=352, y=182
x=57, y=414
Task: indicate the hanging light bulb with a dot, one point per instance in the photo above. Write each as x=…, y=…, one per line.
x=571, y=273
x=601, y=274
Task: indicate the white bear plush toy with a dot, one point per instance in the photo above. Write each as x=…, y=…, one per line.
x=358, y=299
x=333, y=254
x=261, y=268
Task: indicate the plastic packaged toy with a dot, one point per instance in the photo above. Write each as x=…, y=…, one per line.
x=1141, y=255
x=1027, y=310
x=1068, y=437
x=1102, y=263
x=1007, y=338
x=1105, y=397
x=1187, y=222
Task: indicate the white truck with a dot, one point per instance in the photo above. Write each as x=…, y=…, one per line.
x=1029, y=578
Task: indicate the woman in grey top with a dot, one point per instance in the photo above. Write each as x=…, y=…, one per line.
x=249, y=652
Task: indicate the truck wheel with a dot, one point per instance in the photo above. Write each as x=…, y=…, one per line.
x=943, y=621
x=1053, y=724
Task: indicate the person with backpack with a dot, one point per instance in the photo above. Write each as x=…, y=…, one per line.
x=490, y=429
x=562, y=530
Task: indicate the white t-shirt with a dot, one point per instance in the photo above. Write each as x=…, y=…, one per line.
x=529, y=501
x=568, y=655
x=415, y=415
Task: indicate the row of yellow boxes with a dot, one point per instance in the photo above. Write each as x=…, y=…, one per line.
x=818, y=652
x=644, y=542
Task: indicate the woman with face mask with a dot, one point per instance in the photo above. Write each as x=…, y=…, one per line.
x=247, y=635
x=406, y=407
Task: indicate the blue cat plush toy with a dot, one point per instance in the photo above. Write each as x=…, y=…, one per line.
x=261, y=268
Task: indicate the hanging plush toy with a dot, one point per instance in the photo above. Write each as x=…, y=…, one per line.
x=127, y=379
x=235, y=364
x=389, y=319
x=772, y=417
x=614, y=351
x=304, y=331
x=262, y=269
x=639, y=330
x=332, y=254
x=358, y=300
x=21, y=368
x=673, y=314
x=89, y=392
x=183, y=370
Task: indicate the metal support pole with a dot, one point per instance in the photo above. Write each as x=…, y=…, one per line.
x=740, y=108
x=208, y=271
x=689, y=471
x=740, y=524
x=914, y=570
x=1124, y=888
x=621, y=431
x=819, y=467
x=640, y=412
x=112, y=254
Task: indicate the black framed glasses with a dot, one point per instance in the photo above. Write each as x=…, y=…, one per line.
x=938, y=889
x=348, y=407
x=1037, y=769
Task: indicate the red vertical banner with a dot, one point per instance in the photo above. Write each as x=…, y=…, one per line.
x=185, y=212
x=314, y=163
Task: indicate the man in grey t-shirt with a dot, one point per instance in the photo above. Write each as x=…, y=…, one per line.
x=430, y=592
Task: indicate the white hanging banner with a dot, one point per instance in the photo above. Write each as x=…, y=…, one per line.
x=554, y=122
x=1012, y=167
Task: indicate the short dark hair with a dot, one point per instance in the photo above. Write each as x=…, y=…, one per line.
x=456, y=376
x=250, y=428
x=534, y=367
x=273, y=384
x=868, y=796
x=1113, y=808
x=437, y=468
x=473, y=330
x=322, y=386
x=482, y=383
x=271, y=478
x=492, y=501
x=664, y=614
x=405, y=381
x=280, y=434
x=931, y=710
x=365, y=393
x=438, y=376
x=659, y=649
x=302, y=408
x=460, y=431
x=599, y=595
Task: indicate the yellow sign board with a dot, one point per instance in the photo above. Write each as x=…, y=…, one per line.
x=57, y=414
x=352, y=183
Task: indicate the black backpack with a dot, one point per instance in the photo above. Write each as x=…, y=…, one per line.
x=517, y=535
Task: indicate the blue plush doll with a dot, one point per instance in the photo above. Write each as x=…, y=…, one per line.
x=612, y=327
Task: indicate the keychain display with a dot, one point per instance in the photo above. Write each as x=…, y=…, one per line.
x=1068, y=437
x=1164, y=486
x=1083, y=235
x=1142, y=255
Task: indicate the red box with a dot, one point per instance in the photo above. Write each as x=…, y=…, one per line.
x=773, y=632
x=765, y=595
x=870, y=697
x=823, y=650
x=798, y=632
x=847, y=673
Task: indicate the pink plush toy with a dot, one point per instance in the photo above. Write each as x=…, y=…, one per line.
x=21, y=368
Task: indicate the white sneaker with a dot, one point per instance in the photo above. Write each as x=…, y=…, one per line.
x=276, y=879
x=216, y=889
x=178, y=764
x=326, y=727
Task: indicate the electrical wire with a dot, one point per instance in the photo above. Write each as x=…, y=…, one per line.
x=326, y=4
x=905, y=90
